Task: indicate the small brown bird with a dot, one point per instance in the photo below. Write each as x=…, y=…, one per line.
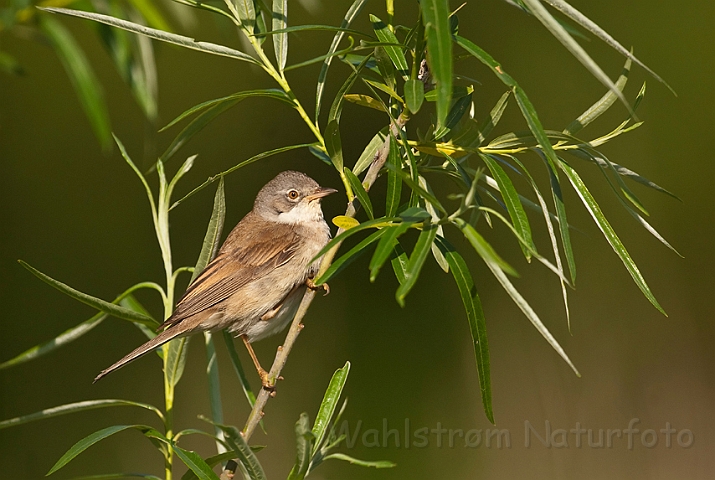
x=256, y=282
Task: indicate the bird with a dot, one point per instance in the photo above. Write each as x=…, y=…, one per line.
x=254, y=285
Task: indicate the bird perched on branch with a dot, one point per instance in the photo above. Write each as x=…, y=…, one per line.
x=255, y=284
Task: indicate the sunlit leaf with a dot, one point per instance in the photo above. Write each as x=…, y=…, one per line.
x=590, y=203
x=394, y=181
x=368, y=155
x=197, y=464
x=280, y=40
x=385, y=35
x=330, y=401
x=77, y=407
x=161, y=35
x=386, y=247
x=365, y=101
x=362, y=463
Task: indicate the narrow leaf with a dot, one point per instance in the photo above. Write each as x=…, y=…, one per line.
x=212, y=238
x=280, y=40
x=94, y=302
x=197, y=464
x=377, y=223
x=523, y=305
x=360, y=192
x=513, y=204
x=414, y=94
x=417, y=260
x=350, y=15
x=394, y=181
x=87, y=442
x=304, y=439
x=330, y=401
x=161, y=35
x=243, y=452
x=435, y=15
x=238, y=368
x=84, y=81
x=558, y=31
x=366, y=101
x=334, y=145
x=362, y=463
x=590, y=203
x=346, y=259
x=475, y=317
x=386, y=247
x=385, y=35
x=368, y=155
x=77, y=407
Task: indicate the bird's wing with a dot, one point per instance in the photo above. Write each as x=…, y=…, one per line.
x=234, y=267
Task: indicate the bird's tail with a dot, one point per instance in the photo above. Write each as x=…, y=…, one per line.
x=159, y=340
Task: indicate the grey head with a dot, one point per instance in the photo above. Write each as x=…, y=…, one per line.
x=291, y=197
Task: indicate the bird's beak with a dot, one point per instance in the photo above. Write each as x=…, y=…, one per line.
x=320, y=192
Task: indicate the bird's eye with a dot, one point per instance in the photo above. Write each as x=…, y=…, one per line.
x=293, y=194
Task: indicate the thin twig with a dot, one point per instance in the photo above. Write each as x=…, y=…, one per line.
x=256, y=414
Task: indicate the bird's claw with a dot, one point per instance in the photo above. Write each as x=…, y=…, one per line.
x=323, y=286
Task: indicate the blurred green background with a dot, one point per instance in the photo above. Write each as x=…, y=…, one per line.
x=82, y=217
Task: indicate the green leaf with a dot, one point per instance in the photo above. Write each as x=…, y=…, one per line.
x=84, y=81
x=399, y=263
x=94, y=302
x=368, y=155
x=254, y=158
x=195, y=463
x=386, y=247
x=484, y=249
x=513, y=204
x=590, y=203
x=118, y=476
x=280, y=40
x=360, y=192
x=362, y=463
x=64, y=338
x=87, y=442
x=377, y=223
x=460, y=107
x=417, y=259
x=246, y=13
x=558, y=31
x=161, y=35
x=77, y=407
x=414, y=94
x=336, y=109
x=243, y=452
x=317, y=28
x=238, y=368
x=435, y=15
x=334, y=145
x=322, y=58
x=327, y=406
x=394, y=181
x=475, y=317
x=350, y=15
x=175, y=359
x=267, y=92
x=346, y=259
x=385, y=35
x=497, y=270
x=603, y=104
x=196, y=125
x=304, y=439
x=214, y=384
x=212, y=239
x=385, y=88
x=366, y=101
x=591, y=26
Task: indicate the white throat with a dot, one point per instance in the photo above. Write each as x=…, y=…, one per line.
x=302, y=213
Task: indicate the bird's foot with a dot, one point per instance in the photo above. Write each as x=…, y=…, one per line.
x=311, y=284
x=266, y=381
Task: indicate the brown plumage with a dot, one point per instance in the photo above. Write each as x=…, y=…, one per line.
x=255, y=283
